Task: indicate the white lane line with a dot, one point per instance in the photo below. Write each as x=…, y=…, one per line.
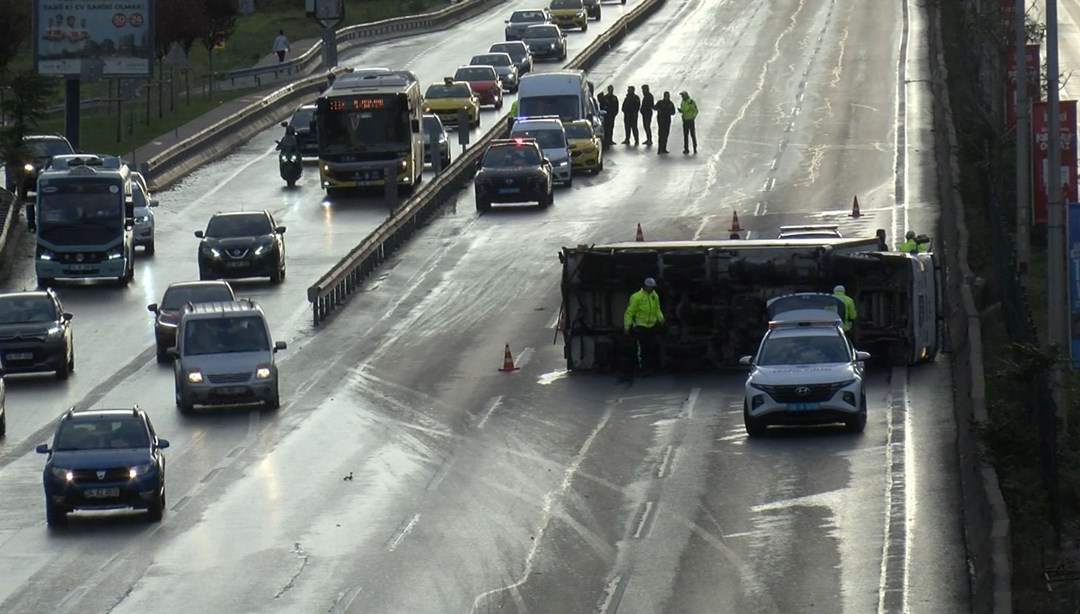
x=615, y=591
x=523, y=357
x=665, y=462
x=405, y=531
x=643, y=524
x=492, y=406
x=233, y=175
x=690, y=402
x=896, y=547
x=440, y=474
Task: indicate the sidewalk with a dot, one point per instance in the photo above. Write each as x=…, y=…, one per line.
x=270, y=83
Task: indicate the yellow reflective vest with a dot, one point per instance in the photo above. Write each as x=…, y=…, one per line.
x=688, y=109
x=849, y=309
x=643, y=310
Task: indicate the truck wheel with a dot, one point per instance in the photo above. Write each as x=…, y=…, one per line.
x=755, y=427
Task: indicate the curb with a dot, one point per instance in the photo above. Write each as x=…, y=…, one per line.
x=986, y=518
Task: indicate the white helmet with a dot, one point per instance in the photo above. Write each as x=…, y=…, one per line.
x=839, y=290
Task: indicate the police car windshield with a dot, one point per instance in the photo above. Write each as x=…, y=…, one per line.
x=454, y=90
x=475, y=73
x=511, y=157
x=22, y=309
x=226, y=226
x=576, y=131
x=225, y=335
x=491, y=59
x=541, y=32
x=527, y=16
x=547, y=139
x=175, y=298
x=803, y=350
x=101, y=434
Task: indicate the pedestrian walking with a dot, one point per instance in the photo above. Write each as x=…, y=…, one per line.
x=688, y=110
x=665, y=110
x=631, y=106
x=647, y=106
x=610, y=105
x=281, y=45
x=642, y=321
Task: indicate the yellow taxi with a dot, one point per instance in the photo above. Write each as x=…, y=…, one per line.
x=447, y=98
x=586, y=151
x=569, y=14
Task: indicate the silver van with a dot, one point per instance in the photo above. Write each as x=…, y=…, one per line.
x=225, y=356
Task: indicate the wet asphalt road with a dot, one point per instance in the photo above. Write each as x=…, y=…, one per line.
x=537, y=491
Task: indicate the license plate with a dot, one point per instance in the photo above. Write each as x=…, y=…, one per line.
x=236, y=265
x=509, y=190
x=803, y=406
x=232, y=390
x=101, y=493
x=81, y=267
x=19, y=356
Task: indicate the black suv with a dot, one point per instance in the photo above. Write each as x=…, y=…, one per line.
x=513, y=171
x=104, y=459
x=40, y=149
x=35, y=333
x=242, y=244
x=303, y=121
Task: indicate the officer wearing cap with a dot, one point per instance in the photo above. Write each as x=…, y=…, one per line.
x=642, y=320
x=849, y=314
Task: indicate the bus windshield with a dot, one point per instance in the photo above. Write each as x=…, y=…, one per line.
x=80, y=211
x=568, y=107
x=368, y=122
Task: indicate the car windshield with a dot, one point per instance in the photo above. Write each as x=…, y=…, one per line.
x=516, y=52
x=225, y=335
x=301, y=120
x=227, y=226
x=511, y=157
x=547, y=139
x=566, y=4
x=492, y=59
x=177, y=297
x=138, y=197
x=567, y=107
x=475, y=73
x=432, y=125
x=101, y=434
x=577, y=131
x=527, y=17
x=47, y=148
x=821, y=302
x=541, y=32
x=22, y=309
x=803, y=350
x=453, y=90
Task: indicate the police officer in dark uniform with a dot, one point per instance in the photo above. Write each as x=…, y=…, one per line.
x=647, y=104
x=665, y=110
x=609, y=102
x=631, y=106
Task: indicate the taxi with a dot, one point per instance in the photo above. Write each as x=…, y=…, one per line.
x=586, y=149
x=447, y=98
x=569, y=14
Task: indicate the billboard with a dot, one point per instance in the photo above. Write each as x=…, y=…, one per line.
x=115, y=35
x=1072, y=228
x=1034, y=76
x=1040, y=156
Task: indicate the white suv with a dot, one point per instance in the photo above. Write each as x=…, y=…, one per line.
x=551, y=136
x=804, y=372
x=225, y=356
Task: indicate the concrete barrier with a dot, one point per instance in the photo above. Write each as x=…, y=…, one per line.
x=986, y=519
x=334, y=288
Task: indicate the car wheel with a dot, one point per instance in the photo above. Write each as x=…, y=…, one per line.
x=163, y=354
x=857, y=423
x=755, y=427
x=482, y=205
x=3, y=424
x=446, y=161
x=598, y=14
x=203, y=275
x=183, y=403
x=498, y=103
x=156, y=511
x=274, y=401
x=570, y=181
x=278, y=276
x=45, y=282
x=55, y=515
x=71, y=362
x=547, y=200
x=585, y=26
x=149, y=249
x=63, y=372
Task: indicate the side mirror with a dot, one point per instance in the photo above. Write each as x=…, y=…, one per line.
x=42, y=449
x=173, y=352
x=153, y=203
x=280, y=345
x=284, y=124
x=152, y=308
x=280, y=230
x=67, y=317
x=862, y=355
x=746, y=361
x=199, y=234
x=162, y=443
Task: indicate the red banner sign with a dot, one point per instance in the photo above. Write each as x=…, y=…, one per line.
x=1034, y=76
x=1040, y=156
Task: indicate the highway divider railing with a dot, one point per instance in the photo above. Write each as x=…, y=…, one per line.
x=365, y=33
x=334, y=288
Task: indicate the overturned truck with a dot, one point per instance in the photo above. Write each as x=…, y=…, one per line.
x=714, y=293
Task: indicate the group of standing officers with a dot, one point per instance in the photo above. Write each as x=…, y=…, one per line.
x=646, y=106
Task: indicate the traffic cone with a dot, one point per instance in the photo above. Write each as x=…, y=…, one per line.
x=855, y=207
x=735, y=222
x=508, y=361
x=640, y=236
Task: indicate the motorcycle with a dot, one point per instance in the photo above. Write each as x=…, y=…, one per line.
x=290, y=167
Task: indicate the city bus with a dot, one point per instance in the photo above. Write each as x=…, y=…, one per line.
x=83, y=220
x=365, y=124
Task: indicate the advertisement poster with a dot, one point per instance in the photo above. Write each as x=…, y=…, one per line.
x=1034, y=76
x=117, y=34
x=1072, y=228
x=1040, y=156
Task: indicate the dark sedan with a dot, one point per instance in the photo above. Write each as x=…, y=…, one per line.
x=545, y=41
x=177, y=296
x=435, y=137
x=518, y=52
x=35, y=333
x=303, y=121
x=513, y=171
x=503, y=65
x=519, y=20
x=242, y=244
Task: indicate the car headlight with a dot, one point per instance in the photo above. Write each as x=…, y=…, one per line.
x=581, y=14
x=213, y=252
x=44, y=254
x=562, y=163
x=142, y=219
x=138, y=470
x=195, y=377
x=29, y=168
x=54, y=332
x=262, y=373
x=115, y=254
x=847, y=383
x=64, y=474
x=262, y=249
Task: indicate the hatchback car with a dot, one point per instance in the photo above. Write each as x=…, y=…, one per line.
x=36, y=334
x=225, y=356
x=519, y=20
x=104, y=459
x=518, y=52
x=447, y=98
x=569, y=14
x=241, y=244
x=177, y=296
x=484, y=81
x=503, y=65
x=436, y=139
x=143, y=206
x=40, y=149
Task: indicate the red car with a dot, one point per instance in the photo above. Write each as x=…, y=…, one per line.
x=485, y=83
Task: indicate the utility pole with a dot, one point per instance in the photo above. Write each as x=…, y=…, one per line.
x=1023, y=142
x=1056, y=263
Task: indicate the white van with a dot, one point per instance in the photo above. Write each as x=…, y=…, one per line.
x=565, y=93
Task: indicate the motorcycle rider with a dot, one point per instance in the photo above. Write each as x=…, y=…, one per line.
x=288, y=143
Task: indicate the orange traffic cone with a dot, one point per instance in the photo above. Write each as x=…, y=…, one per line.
x=508, y=361
x=735, y=222
x=640, y=236
x=855, y=207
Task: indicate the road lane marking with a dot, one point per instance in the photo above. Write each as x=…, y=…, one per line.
x=523, y=357
x=616, y=591
x=645, y=522
x=403, y=532
x=440, y=474
x=665, y=462
x=896, y=549
x=691, y=400
x=493, y=405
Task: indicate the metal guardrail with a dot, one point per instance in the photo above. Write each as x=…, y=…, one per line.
x=364, y=33
x=334, y=288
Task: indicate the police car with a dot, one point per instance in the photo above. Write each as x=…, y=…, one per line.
x=804, y=373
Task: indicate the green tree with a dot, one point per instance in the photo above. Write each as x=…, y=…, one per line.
x=14, y=30
x=219, y=23
x=23, y=107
